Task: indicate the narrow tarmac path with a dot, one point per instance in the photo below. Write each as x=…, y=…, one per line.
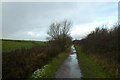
x=70, y=68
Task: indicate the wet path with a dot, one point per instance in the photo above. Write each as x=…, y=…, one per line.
x=70, y=68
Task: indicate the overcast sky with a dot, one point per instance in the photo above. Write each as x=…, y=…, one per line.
x=31, y=20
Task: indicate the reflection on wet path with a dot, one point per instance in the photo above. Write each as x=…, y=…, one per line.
x=70, y=68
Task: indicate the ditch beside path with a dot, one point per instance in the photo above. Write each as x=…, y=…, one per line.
x=70, y=68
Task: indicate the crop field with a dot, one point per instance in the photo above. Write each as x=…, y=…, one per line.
x=9, y=45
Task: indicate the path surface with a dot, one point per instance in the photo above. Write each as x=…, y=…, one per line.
x=70, y=68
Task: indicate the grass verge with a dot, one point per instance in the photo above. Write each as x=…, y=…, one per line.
x=49, y=70
x=88, y=68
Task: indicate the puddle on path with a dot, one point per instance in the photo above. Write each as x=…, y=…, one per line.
x=70, y=68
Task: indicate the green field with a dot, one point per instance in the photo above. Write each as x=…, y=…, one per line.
x=88, y=67
x=9, y=45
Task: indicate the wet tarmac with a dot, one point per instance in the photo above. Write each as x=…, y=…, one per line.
x=70, y=68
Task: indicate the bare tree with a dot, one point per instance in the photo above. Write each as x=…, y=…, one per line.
x=59, y=33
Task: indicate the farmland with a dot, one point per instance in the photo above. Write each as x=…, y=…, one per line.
x=10, y=45
x=23, y=55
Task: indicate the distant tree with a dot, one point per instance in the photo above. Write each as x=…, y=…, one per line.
x=59, y=33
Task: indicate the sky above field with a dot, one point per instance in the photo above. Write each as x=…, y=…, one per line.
x=31, y=20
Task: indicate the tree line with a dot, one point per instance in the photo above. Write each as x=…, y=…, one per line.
x=102, y=45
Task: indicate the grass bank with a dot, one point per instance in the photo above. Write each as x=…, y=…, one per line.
x=49, y=70
x=88, y=67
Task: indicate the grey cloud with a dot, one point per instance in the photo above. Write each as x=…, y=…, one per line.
x=20, y=17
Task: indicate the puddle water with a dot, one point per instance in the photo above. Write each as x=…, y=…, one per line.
x=70, y=68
